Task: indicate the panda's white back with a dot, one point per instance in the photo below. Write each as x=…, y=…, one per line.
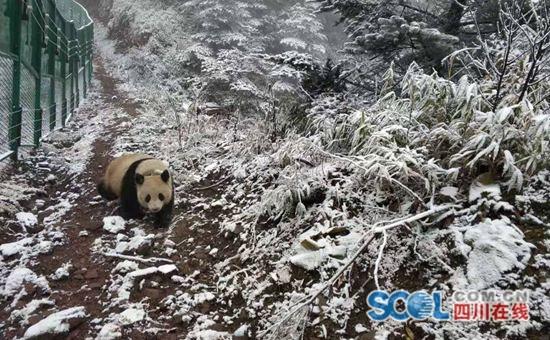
x=151, y=167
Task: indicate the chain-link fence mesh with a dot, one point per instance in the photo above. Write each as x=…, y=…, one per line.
x=46, y=103
x=6, y=75
x=59, y=104
x=28, y=90
x=42, y=45
x=81, y=83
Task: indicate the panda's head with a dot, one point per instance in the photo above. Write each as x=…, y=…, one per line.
x=154, y=191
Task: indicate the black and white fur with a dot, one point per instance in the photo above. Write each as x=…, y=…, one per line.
x=142, y=184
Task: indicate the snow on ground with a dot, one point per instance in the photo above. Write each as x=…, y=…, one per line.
x=26, y=219
x=232, y=186
x=114, y=224
x=497, y=247
x=31, y=215
x=58, y=323
x=259, y=226
x=19, y=277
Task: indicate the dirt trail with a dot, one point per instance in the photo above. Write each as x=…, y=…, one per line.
x=90, y=273
x=85, y=216
x=195, y=236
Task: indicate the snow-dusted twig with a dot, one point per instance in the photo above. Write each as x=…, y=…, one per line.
x=367, y=239
x=414, y=218
x=379, y=258
x=137, y=258
x=213, y=185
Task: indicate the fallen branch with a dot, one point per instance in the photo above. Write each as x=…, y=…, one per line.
x=213, y=185
x=367, y=238
x=379, y=258
x=137, y=258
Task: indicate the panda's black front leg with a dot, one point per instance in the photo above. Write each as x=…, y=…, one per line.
x=164, y=217
x=130, y=209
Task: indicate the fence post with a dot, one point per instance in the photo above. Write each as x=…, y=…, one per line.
x=73, y=66
x=36, y=63
x=70, y=59
x=90, y=31
x=82, y=57
x=14, y=133
x=52, y=42
x=63, y=68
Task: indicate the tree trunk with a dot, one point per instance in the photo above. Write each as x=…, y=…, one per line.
x=453, y=17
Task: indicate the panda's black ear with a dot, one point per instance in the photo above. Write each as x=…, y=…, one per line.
x=165, y=175
x=140, y=179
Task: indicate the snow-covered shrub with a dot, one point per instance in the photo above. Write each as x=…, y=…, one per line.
x=356, y=164
x=434, y=130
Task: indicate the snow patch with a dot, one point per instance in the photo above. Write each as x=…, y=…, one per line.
x=56, y=323
x=131, y=315
x=17, y=279
x=451, y=192
x=310, y=254
x=10, y=249
x=483, y=186
x=136, y=243
x=114, y=224
x=167, y=268
x=62, y=272
x=26, y=219
x=24, y=313
x=109, y=331
x=241, y=331
x=125, y=267
x=497, y=248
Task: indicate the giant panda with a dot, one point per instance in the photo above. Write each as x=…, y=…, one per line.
x=143, y=184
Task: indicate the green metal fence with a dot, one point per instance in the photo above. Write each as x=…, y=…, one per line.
x=45, y=68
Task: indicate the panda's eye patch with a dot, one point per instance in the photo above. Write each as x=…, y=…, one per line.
x=161, y=197
x=148, y=198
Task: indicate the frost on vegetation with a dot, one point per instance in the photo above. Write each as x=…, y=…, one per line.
x=291, y=194
x=412, y=144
